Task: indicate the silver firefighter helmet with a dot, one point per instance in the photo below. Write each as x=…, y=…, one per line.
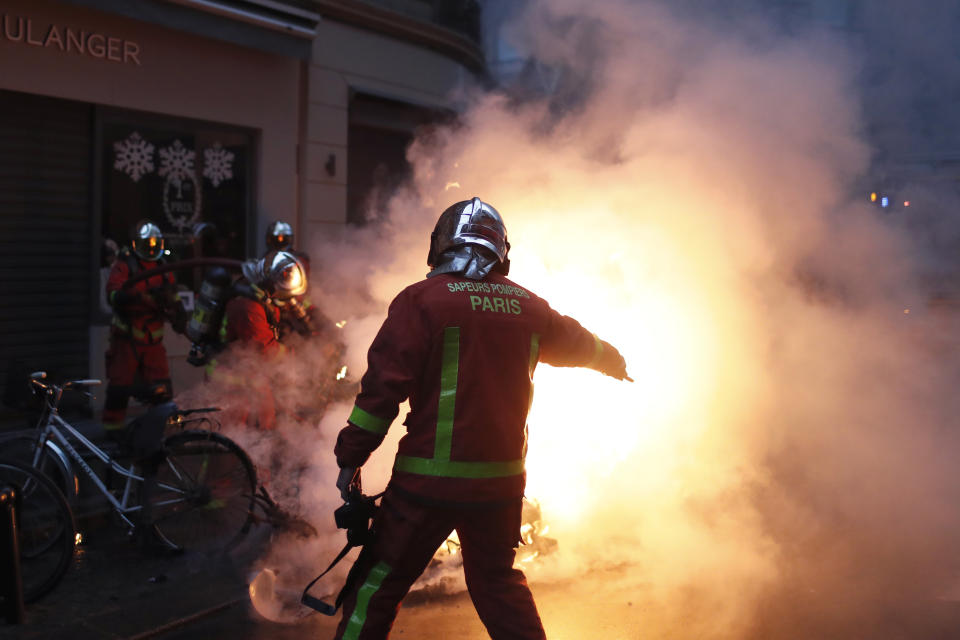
x=279, y=274
x=279, y=236
x=147, y=240
x=470, y=222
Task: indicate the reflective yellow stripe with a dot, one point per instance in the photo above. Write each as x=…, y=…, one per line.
x=597, y=353
x=448, y=393
x=370, y=586
x=455, y=469
x=368, y=421
x=136, y=332
x=441, y=465
x=534, y=358
x=534, y=352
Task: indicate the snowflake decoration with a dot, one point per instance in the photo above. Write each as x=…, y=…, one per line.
x=217, y=164
x=176, y=162
x=133, y=156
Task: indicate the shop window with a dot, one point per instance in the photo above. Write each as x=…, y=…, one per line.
x=177, y=174
x=380, y=130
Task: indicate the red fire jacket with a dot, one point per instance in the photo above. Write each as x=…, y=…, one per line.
x=246, y=321
x=141, y=321
x=463, y=352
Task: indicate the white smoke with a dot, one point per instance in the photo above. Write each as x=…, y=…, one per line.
x=783, y=465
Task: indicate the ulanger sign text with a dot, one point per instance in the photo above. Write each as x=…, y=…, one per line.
x=27, y=31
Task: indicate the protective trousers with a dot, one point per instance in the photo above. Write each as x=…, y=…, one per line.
x=138, y=370
x=407, y=536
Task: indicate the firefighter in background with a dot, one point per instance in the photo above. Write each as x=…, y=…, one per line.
x=251, y=323
x=462, y=346
x=280, y=238
x=136, y=360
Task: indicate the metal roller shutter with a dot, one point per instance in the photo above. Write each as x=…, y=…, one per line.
x=45, y=236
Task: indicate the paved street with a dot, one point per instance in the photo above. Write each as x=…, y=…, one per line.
x=112, y=592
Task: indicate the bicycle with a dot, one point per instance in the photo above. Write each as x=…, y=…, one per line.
x=46, y=531
x=204, y=490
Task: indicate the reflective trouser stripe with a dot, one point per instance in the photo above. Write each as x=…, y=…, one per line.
x=440, y=464
x=370, y=586
x=448, y=394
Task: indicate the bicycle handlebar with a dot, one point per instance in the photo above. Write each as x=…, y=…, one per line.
x=37, y=376
x=187, y=412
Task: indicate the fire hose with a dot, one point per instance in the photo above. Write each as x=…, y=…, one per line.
x=182, y=264
x=355, y=515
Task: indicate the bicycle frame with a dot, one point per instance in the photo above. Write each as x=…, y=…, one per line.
x=54, y=427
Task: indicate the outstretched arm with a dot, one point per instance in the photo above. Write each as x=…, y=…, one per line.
x=567, y=344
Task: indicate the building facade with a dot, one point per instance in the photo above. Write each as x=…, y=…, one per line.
x=230, y=112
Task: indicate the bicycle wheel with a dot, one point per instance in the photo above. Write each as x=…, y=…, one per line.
x=23, y=449
x=203, y=500
x=45, y=527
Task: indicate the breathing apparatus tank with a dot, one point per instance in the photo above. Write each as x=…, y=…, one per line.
x=204, y=326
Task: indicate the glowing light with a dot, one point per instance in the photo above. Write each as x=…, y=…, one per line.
x=451, y=185
x=873, y=197
x=906, y=203
x=884, y=201
x=674, y=360
x=275, y=600
x=906, y=310
x=341, y=324
x=78, y=539
x=342, y=373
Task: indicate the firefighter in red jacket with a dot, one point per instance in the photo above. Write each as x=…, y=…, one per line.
x=252, y=321
x=280, y=237
x=461, y=346
x=136, y=361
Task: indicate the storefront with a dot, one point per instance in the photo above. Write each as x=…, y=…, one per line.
x=230, y=112
x=106, y=119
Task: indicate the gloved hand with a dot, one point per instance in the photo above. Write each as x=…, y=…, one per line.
x=612, y=363
x=165, y=296
x=151, y=301
x=345, y=481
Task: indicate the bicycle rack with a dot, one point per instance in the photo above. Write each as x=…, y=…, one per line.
x=11, y=583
